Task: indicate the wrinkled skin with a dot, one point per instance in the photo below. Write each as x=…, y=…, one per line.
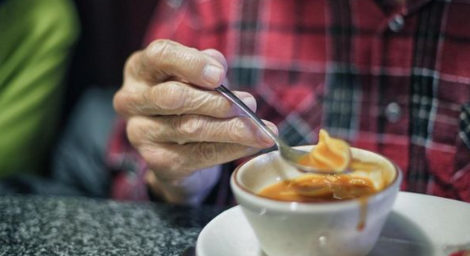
x=177, y=122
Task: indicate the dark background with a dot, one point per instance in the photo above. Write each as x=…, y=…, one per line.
x=110, y=31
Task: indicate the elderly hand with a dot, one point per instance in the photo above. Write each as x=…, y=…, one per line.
x=178, y=123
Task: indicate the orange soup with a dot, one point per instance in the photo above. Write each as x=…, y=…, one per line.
x=332, y=155
x=320, y=188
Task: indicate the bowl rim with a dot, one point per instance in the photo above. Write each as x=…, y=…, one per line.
x=255, y=200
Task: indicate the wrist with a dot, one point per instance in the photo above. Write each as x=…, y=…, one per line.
x=191, y=190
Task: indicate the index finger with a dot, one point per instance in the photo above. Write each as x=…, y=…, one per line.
x=163, y=59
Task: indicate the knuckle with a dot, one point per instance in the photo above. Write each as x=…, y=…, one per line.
x=136, y=130
x=189, y=125
x=192, y=59
x=165, y=55
x=208, y=103
x=120, y=100
x=221, y=103
x=169, y=97
x=164, y=163
x=236, y=130
x=160, y=52
x=155, y=158
x=206, y=152
x=204, y=102
x=127, y=103
x=131, y=63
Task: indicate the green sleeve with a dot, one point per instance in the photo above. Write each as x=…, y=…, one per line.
x=36, y=40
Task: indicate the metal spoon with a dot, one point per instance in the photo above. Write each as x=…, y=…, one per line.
x=291, y=155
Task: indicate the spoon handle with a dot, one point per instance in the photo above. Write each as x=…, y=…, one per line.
x=233, y=98
x=292, y=155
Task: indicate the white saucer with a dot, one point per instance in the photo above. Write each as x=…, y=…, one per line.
x=419, y=225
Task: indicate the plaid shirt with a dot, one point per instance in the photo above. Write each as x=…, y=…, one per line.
x=390, y=76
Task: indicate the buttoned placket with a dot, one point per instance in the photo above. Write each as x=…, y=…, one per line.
x=391, y=111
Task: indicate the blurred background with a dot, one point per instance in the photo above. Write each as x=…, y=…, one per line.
x=110, y=31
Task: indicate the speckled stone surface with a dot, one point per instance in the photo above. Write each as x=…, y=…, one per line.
x=80, y=226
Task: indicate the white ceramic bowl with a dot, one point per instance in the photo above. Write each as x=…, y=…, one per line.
x=307, y=229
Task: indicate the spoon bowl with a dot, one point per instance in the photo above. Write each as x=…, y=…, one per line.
x=291, y=155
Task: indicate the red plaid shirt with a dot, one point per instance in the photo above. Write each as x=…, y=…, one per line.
x=388, y=76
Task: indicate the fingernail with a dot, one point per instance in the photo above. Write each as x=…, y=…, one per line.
x=264, y=137
x=273, y=128
x=249, y=101
x=212, y=74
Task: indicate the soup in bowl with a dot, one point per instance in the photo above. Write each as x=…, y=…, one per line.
x=299, y=214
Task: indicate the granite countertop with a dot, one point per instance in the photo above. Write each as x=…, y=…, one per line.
x=38, y=225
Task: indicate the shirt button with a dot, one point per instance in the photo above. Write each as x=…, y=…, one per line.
x=396, y=24
x=393, y=112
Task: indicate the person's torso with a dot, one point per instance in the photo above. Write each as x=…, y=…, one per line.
x=394, y=80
